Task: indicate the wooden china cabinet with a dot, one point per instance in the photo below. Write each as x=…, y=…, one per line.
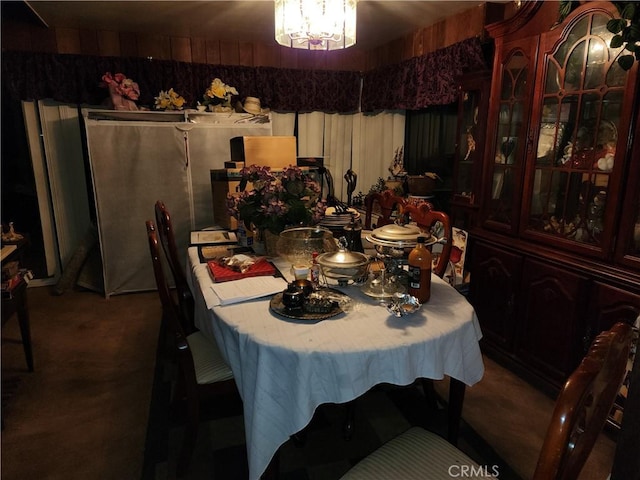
x=473, y=105
x=555, y=254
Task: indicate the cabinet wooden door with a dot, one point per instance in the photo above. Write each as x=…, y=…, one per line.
x=551, y=319
x=493, y=293
x=509, y=117
x=608, y=305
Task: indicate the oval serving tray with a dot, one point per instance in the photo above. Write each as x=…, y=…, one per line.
x=276, y=306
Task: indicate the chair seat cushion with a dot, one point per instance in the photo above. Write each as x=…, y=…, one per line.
x=209, y=365
x=417, y=454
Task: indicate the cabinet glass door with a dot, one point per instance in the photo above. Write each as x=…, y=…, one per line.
x=510, y=139
x=467, y=150
x=569, y=186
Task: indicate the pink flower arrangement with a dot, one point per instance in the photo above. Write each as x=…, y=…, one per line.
x=121, y=85
x=278, y=199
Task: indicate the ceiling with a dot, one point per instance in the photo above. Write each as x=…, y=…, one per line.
x=379, y=21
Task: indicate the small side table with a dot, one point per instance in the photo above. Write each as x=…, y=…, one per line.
x=14, y=301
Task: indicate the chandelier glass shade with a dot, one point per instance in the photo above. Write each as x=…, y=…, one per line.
x=315, y=24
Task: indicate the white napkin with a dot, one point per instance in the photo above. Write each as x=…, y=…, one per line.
x=237, y=291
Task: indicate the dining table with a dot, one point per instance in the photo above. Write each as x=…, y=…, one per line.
x=285, y=368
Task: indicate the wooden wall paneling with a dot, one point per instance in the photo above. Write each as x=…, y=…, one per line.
x=408, y=47
x=43, y=40
x=434, y=37
x=22, y=36
x=370, y=60
x=213, y=56
x=229, y=53
x=306, y=59
x=89, y=42
x=309, y=60
x=417, y=48
x=68, y=40
x=180, y=49
x=396, y=51
x=266, y=55
x=462, y=26
x=16, y=36
x=348, y=60
x=109, y=43
x=245, y=54
x=198, y=50
x=129, y=45
x=288, y=57
x=358, y=60
x=325, y=61
x=155, y=46
x=384, y=55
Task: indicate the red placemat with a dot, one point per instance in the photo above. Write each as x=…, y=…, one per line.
x=224, y=274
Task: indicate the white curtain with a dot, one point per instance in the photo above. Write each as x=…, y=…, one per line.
x=375, y=140
x=364, y=143
x=283, y=124
x=338, y=147
x=311, y=134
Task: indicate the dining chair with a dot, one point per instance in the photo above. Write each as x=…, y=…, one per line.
x=387, y=202
x=202, y=372
x=423, y=214
x=169, y=245
x=579, y=415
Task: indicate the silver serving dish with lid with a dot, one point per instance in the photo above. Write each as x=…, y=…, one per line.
x=343, y=265
x=396, y=241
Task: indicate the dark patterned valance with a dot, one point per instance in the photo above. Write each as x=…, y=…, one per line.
x=421, y=81
x=409, y=85
x=76, y=79
x=303, y=91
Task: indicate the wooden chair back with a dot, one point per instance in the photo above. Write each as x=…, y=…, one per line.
x=426, y=218
x=171, y=314
x=168, y=240
x=583, y=405
x=388, y=203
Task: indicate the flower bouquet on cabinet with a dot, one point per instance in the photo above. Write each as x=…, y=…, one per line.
x=123, y=92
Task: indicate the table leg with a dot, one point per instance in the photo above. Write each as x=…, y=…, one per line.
x=454, y=414
x=349, y=421
x=18, y=305
x=25, y=329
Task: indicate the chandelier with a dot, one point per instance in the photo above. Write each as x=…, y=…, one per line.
x=316, y=24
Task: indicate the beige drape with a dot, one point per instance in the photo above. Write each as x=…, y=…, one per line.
x=364, y=143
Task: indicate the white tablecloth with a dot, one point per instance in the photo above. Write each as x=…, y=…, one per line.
x=286, y=368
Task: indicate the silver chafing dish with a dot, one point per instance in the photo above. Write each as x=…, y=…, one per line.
x=343, y=265
x=396, y=241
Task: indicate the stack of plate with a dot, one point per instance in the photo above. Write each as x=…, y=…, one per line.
x=334, y=220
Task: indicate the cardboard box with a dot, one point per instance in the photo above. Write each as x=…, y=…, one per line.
x=224, y=181
x=272, y=151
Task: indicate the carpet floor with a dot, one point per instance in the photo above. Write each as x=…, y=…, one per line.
x=92, y=409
